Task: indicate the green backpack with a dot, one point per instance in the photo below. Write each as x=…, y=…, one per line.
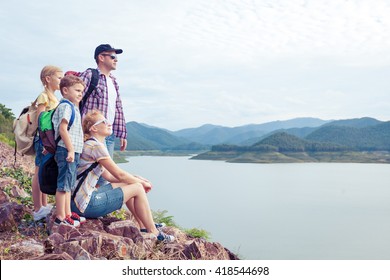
x=48, y=168
x=46, y=129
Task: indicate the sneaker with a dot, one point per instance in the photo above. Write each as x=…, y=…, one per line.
x=76, y=217
x=165, y=237
x=41, y=213
x=67, y=221
x=158, y=225
x=58, y=222
x=48, y=206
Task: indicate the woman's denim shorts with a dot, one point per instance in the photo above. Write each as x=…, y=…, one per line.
x=103, y=201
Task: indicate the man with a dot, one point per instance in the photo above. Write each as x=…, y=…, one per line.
x=105, y=97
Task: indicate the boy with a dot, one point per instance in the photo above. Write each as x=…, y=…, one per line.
x=69, y=148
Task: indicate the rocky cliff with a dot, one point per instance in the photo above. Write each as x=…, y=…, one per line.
x=104, y=238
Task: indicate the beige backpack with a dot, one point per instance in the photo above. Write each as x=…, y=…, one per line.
x=25, y=129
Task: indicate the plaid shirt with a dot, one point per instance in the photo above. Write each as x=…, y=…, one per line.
x=64, y=111
x=99, y=100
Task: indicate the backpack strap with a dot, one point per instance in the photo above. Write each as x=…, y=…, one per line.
x=83, y=175
x=35, y=102
x=92, y=85
x=71, y=117
x=73, y=111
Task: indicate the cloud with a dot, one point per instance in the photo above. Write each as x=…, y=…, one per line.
x=274, y=28
x=227, y=62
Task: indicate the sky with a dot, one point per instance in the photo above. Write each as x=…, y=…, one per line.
x=186, y=63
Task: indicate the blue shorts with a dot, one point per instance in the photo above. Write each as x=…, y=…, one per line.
x=38, y=147
x=67, y=171
x=103, y=201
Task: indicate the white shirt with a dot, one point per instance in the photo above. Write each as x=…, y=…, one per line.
x=112, y=95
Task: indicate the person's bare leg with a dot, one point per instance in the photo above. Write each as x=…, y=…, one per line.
x=141, y=205
x=44, y=199
x=36, y=191
x=61, y=205
x=130, y=206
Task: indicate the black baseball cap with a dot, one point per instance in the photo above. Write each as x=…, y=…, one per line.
x=106, y=48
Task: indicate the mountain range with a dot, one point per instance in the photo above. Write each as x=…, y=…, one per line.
x=211, y=134
x=361, y=133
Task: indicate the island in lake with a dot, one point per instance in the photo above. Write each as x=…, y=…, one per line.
x=282, y=147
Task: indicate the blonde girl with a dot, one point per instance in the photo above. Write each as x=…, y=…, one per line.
x=92, y=200
x=50, y=78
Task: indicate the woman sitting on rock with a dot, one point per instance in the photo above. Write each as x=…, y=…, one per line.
x=91, y=200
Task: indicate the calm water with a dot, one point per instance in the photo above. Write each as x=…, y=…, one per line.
x=277, y=211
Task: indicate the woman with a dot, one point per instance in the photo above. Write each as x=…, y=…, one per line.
x=50, y=78
x=91, y=200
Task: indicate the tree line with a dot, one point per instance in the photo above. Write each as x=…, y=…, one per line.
x=6, y=125
x=283, y=142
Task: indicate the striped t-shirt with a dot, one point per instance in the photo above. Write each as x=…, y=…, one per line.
x=93, y=151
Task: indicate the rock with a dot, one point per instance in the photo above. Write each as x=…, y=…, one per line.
x=200, y=249
x=180, y=236
x=10, y=215
x=92, y=224
x=49, y=247
x=115, y=247
x=125, y=228
x=62, y=256
x=28, y=249
x=67, y=231
x=91, y=241
x=55, y=239
x=4, y=198
x=18, y=192
x=4, y=182
x=174, y=251
x=7, y=159
x=74, y=250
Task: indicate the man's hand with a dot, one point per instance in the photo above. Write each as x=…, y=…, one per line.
x=123, y=144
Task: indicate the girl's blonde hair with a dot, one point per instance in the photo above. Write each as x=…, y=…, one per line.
x=89, y=120
x=48, y=70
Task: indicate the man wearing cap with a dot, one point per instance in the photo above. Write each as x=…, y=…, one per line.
x=105, y=97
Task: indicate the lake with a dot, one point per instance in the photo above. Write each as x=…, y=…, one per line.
x=303, y=211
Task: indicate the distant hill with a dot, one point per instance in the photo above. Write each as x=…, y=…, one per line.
x=282, y=147
x=283, y=142
x=345, y=126
x=191, y=133
x=376, y=137
x=358, y=123
x=211, y=135
x=141, y=137
x=299, y=132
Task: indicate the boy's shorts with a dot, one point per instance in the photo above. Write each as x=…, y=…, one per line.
x=67, y=171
